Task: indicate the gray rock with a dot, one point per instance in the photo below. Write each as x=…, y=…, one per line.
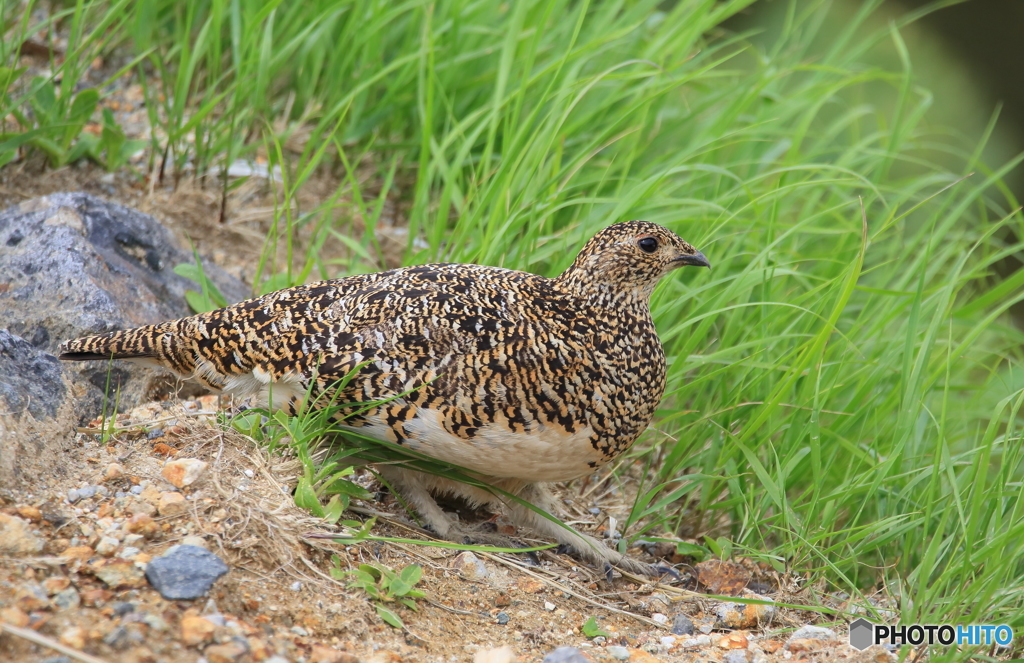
x=502, y=618
x=682, y=625
x=617, y=652
x=737, y=656
x=71, y=265
x=56, y=659
x=185, y=572
x=814, y=633
x=120, y=638
x=566, y=655
x=39, y=416
x=67, y=599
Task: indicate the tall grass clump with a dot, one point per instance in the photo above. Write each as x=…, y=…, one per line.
x=844, y=385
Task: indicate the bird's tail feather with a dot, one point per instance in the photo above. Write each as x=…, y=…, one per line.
x=150, y=342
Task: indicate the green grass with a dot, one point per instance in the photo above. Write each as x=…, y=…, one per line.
x=844, y=385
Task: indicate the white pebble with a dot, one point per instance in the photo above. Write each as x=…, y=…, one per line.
x=660, y=618
x=549, y=606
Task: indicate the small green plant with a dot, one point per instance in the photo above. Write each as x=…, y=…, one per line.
x=208, y=297
x=592, y=629
x=384, y=586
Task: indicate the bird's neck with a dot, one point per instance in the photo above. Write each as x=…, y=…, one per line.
x=626, y=298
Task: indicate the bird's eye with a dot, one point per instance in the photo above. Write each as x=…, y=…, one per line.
x=648, y=245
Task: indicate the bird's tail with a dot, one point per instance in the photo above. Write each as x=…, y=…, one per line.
x=160, y=343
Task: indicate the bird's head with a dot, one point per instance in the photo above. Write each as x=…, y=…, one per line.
x=629, y=259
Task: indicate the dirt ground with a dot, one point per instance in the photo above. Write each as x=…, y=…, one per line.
x=84, y=588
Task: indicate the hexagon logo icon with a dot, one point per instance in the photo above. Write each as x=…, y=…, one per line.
x=861, y=631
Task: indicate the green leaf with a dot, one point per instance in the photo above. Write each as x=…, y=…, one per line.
x=305, y=498
x=591, y=629
x=699, y=552
x=335, y=508
x=346, y=487
x=388, y=616
x=411, y=574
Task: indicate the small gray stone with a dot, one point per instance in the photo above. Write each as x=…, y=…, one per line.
x=599, y=640
x=119, y=638
x=737, y=656
x=185, y=572
x=155, y=433
x=123, y=608
x=502, y=618
x=298, y=630
x=56, y=659
x=67, y=599
x=566, y=655
x=617, y=652
x=594, y=510
x=73, y=495
x=136, y=490
x=87, y=492
x=120, y=494
x=813, y=633
x=682, y=625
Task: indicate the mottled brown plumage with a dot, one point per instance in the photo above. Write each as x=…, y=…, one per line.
x=516, y=377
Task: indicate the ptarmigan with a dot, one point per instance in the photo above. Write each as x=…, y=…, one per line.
x=519, y=378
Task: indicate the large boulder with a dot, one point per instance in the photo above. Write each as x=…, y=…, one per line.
x=71, y=265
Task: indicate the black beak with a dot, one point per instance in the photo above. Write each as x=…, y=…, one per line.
x=696, y=260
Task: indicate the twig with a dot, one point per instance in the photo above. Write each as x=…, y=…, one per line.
x=39, y=639
x=565, y=589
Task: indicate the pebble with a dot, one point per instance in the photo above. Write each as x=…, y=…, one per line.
x=55, y=584
x=682, y=625
x=734, y=640
x=193, y=540
x=143, y=525
x=122, y=608
x=744, y=615
x=107, y=546
x=298, y=630
x=120, y=638
x=226, y=653
x=67, y=599
x=594, y=510
x=136, y=490
x=277, y=659
x=503, y=618
x=599, y=640
x=16, y=536
x=183, y=472
x=736, y=656
x=668, y=641
x=699, y=641
x=171, y=503
x=118, y=573
x=469, y=566
x=498, y=655
x=114, y=471
x=196, y=630
x=617, y=652
x=549, y=606
x=813, y=632
x=566, y=655
x=660, y=618
x=185, y=572
x=249, y=473
x=153, y=434
x=74, y=637
x=56, y=659
x=130, y=552
x=296, y=586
